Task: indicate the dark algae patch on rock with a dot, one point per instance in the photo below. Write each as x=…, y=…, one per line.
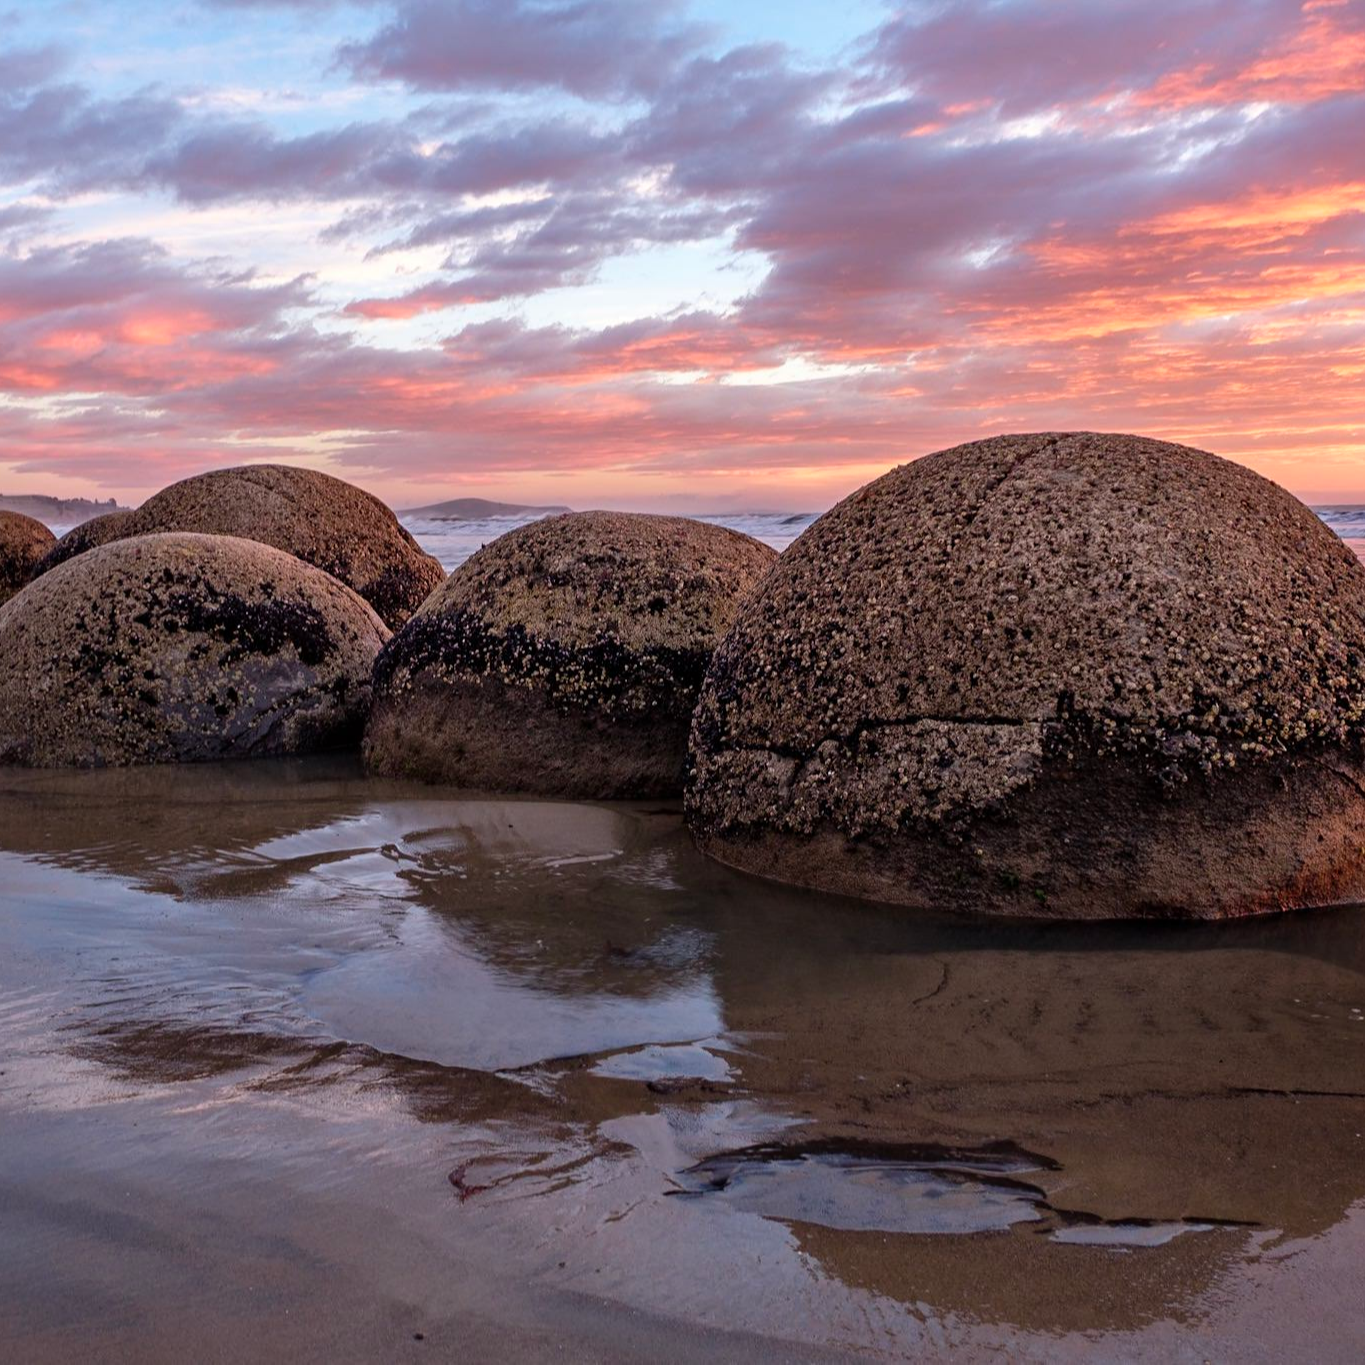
x=23, y=542
x=181, y=648
x=564, y=658
x=326, y=522
x=1075, y=675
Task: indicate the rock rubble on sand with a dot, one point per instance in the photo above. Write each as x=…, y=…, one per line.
x=326, y=522
x=563, y=658
x=23, y=543
x=182, y=647
x=1073, y=674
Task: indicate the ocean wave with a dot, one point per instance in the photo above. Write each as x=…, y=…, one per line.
x=452, y=542
x=1346, y=519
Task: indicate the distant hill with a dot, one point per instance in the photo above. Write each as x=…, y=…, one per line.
x=479, y=509
x=64, y=511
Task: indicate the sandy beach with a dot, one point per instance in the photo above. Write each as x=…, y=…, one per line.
x=300, y=1063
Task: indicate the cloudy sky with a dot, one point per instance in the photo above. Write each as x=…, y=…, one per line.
x=702, y=254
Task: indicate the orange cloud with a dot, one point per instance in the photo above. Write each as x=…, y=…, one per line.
x=1324, y=58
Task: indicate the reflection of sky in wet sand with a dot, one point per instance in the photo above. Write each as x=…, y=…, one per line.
x=314, y=994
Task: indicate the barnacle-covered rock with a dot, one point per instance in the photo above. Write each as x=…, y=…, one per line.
x=23, y=543
x=1076, y=675
x=564, y=658
x=326, y=522
x=97, y=531
x=177, y=648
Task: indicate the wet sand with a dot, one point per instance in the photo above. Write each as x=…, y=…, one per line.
x=297, y=1064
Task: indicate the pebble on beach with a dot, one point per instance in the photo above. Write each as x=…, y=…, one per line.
x=23, y=543
x=180, y=648
x=324, y=521
x=563, y=658
x=1072, y=675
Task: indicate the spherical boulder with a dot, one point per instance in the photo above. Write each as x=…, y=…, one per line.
x=98, y=530
x=178, y=648
x=564, y=658
x=23, y=543
x=324, y=521
x=1072, y=675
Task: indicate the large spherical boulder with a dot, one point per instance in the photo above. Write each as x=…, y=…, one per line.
x=324, y=521
x=23, y=542
x=564, y=658
x=98, y=530
x=1076, y=675
x=177, y=648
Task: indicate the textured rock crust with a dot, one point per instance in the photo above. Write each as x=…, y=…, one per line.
x=23, y=542
x=564, y=658
x=1076, y=674
x=326, y=522
x=179, y=648
x=97, y=531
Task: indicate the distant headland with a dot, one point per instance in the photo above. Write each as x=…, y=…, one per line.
x=478, y=509
x=65, y=511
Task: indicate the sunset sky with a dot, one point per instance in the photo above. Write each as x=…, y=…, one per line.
x=702, y=255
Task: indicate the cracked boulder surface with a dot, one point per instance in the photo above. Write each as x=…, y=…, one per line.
x=326, y=522
x=1074, y=675
x=23, y=543
x=179, y=648
x=89, y=534
x=563, y=658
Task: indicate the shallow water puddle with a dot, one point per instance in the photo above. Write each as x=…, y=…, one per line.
x=866, y=1194
x=927, y=1191
x=664, y=1063
x=1130, y=1235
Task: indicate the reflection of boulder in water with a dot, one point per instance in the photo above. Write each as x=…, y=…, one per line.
x=576, y=898
x=1137, y=1054
x=1021, y=1280
x=1174, y=1071
x=177, y=1052
x=568, y=898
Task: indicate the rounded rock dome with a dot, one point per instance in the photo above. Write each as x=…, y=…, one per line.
x=179, y=648
x=564, y=657
x=326, y=522
x=23, y=543
x=1074, y=675
x=97, y=531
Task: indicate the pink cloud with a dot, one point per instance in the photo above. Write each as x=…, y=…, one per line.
x=594, y=48
x=1146, y=254
x=118, y=317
